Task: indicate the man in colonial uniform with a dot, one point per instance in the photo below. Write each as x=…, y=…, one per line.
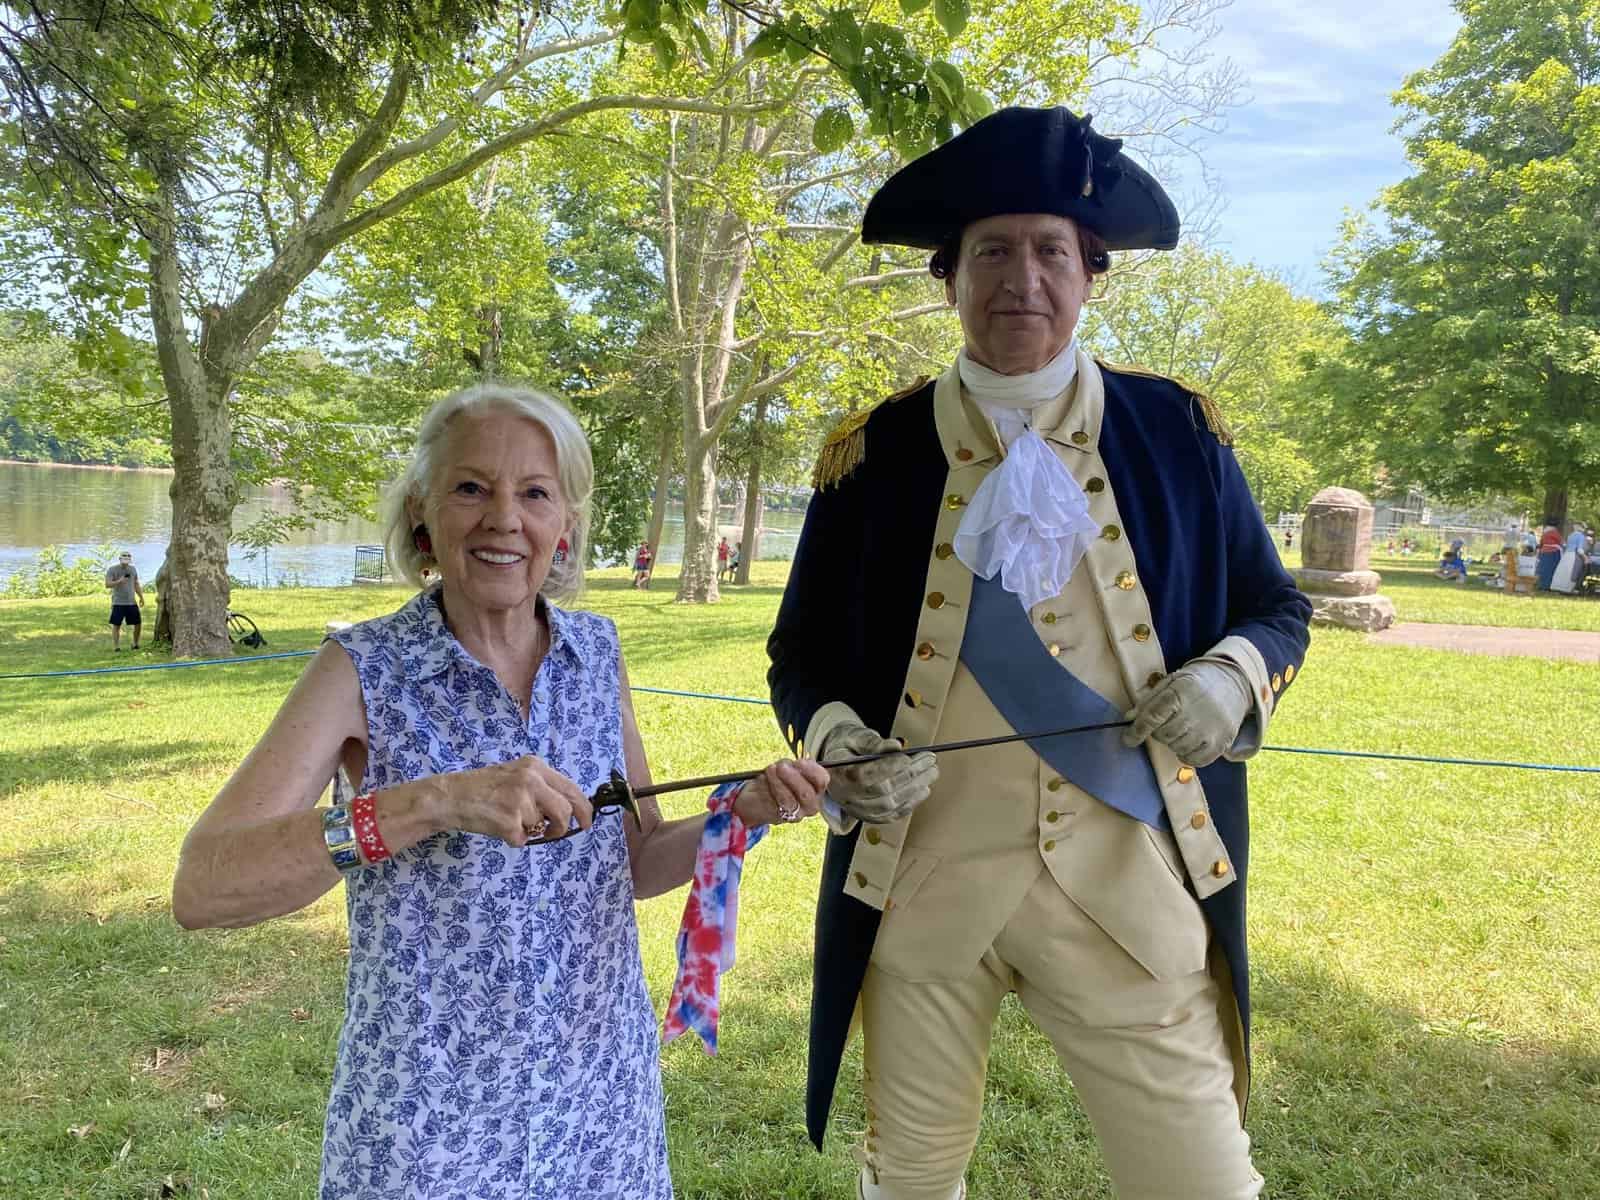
x=1035, y=541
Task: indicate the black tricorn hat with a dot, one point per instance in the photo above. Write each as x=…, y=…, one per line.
x=1023, y=160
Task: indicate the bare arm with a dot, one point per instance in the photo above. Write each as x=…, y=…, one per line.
x=257, y=852
x=661, y=854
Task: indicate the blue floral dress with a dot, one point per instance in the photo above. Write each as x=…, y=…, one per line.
x=499, y=1042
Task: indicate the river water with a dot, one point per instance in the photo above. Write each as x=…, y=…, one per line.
x=80, y=509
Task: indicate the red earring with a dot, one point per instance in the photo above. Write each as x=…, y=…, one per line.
x=421, y=540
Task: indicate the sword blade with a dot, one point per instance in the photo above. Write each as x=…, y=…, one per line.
x=680, y=785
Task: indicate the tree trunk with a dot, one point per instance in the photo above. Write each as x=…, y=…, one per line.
x=203, y=499
x=658, y=504
x=163, y=631
x=1555, y=506
x=697, y=584
x=491, y=334
x=749, y=544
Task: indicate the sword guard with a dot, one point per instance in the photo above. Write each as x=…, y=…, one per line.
x=617, y=792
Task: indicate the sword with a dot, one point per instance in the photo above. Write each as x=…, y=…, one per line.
x=617, y=792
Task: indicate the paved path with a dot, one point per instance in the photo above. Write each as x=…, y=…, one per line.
x=1490, y=639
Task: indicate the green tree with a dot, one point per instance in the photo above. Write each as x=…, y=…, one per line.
x=1233, y=332
x=187, y=166
x=1473, y=301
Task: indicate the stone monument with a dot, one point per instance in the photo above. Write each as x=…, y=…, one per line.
x=1335, y=546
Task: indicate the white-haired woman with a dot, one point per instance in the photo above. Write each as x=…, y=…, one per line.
x=498, y=1040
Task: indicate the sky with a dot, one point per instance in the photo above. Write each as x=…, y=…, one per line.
x=1312, y=137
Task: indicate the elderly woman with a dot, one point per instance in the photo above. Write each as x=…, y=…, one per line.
x=499, y=1040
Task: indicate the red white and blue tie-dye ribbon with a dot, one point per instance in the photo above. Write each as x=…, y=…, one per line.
x=710, y=920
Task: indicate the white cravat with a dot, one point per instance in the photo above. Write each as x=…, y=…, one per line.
x=1029, y=519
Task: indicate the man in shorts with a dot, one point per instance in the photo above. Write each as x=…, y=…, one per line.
x=123, y=582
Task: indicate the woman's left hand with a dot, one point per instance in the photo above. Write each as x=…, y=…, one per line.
x=789, y=790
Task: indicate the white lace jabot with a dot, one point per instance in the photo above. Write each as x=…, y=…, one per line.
x=1029, y=519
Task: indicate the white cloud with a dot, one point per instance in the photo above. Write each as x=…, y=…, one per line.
x=1313, y=138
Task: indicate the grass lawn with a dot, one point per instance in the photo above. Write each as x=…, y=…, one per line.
x=1426, y=971
x=1420, y=595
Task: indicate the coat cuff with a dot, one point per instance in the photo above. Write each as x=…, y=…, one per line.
x=823, y=722
x=1242, y=653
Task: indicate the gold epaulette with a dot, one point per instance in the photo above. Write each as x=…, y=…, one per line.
x=1209, y=408
x=1214, y=419
x=846, y=444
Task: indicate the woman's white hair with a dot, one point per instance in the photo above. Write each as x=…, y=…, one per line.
x=574, y=468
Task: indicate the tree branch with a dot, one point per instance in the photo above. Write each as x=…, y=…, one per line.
x=510, y=140
x=485, y=92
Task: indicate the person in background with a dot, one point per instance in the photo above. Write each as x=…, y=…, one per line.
x=722, y=559
x=127, y=594
x=1453, y=565
x=734, y=556
x=1550, y=546
x=1570, y=570
x=499, y=1041
x=642, y=566
x=1288, y=539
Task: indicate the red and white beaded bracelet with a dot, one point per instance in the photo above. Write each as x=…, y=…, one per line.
x=364, y=819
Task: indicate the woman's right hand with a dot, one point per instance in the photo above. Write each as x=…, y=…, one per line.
x=521, y=801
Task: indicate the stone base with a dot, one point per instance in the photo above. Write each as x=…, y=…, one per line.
x=1366, y=613
x=1337, y=583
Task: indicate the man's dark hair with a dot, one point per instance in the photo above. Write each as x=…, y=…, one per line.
x=1092, y=247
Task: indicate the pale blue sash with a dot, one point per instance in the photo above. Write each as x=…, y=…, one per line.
x=1032, y=690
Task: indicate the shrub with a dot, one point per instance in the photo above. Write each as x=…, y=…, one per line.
x=50, y=575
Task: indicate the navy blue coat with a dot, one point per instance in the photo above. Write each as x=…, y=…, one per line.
x=849, y=615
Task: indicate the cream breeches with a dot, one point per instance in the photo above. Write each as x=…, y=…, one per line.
x=1147, y=1057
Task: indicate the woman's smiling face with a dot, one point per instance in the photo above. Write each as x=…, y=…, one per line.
x=495, y=511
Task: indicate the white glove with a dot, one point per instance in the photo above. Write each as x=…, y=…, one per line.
x=1197, y=711
x=875, y=792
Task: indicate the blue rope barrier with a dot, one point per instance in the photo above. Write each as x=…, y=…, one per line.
x=1369, y=754
x=168, y=666
x=1423, y=758
x=701, y=695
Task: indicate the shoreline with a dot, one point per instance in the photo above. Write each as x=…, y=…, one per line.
x=17, y=462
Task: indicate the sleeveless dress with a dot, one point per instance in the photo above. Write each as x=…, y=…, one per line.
x=499, y=1042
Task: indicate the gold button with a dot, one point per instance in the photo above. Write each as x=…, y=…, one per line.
x=1141, y=632
x=1111, y=533
x=943, y=550
x=1049, y=618
x=1185, y=774
x=791, y=735
x=953, y=501
x=1153, y=678
x=1054, y=785
x=1125, y=580
x=1055, y=649
x=1288, y=673
x=799, y=748
x=964, y=455
x=873, y=837
x=861, y=879
x=1080, y=438
x=935, y=599
x=925, y=651
x=1198, y=821
x=1050, y=845
x=1219, y=868
x=1095, y=486
x=913, y=697
x=1052, y=816
x=1277, y=683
